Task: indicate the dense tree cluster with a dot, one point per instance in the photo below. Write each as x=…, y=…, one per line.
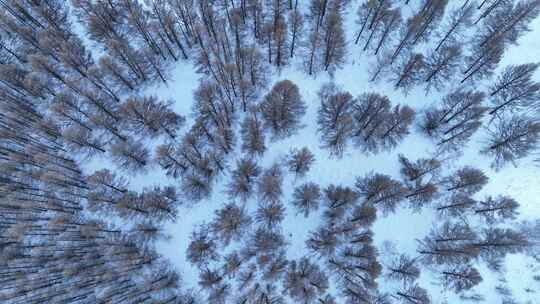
x=369, y=121
x=74, y=80
x=408, y=56
x=51, y=252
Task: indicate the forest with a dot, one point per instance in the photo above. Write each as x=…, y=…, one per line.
x=269, y=151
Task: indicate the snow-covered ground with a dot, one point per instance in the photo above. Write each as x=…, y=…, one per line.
x=402, y=228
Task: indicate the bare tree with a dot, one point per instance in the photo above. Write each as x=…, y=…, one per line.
x=210, y=279
x=461, y=278
x=511, y=139
x=421, y=194
x=169, y=30
x=147, y=231
x=259, y=293
x=334, y=118
x=421, y=170
x=413, y=294
x=230, y=223
x=146, y=116
x=252, y=134
x=327, y=299
x=449, y=244
x=367, y=11
x=496, y=243
x=282, y=109
x=243, y=179
x=420, y=26
x=306, y=198
x=338, y=200
x=357, y=267
x=106, y=190
x=455, y=120
x=72, y=111
x=396, y=126
x=509, y=21
x=381, y=67
x=323, y=242
x=381, y=191
x=278, y=41
x=314, y=17
x=457, y=205
x=363, y=215
x=482, y=60
x=299, y=161
x=81, y=140
x=441, y=66
x=130, y=156
x=515, y=89
x=270, y=214
x=403, y=269
x=501, y=27
x=202, y=247
x=333, y=39
x=409, y=71
x=296, y=27
x=376, y=125
x=467, y=180
x=276, y=267
x=498, y=209
x=266, y=242
x=214, y=110
x=458, y=21
x=196, y=186
x=377, y=21
x=158, y=203
x=305, y=281
x=490, y=7
x=269, y=186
